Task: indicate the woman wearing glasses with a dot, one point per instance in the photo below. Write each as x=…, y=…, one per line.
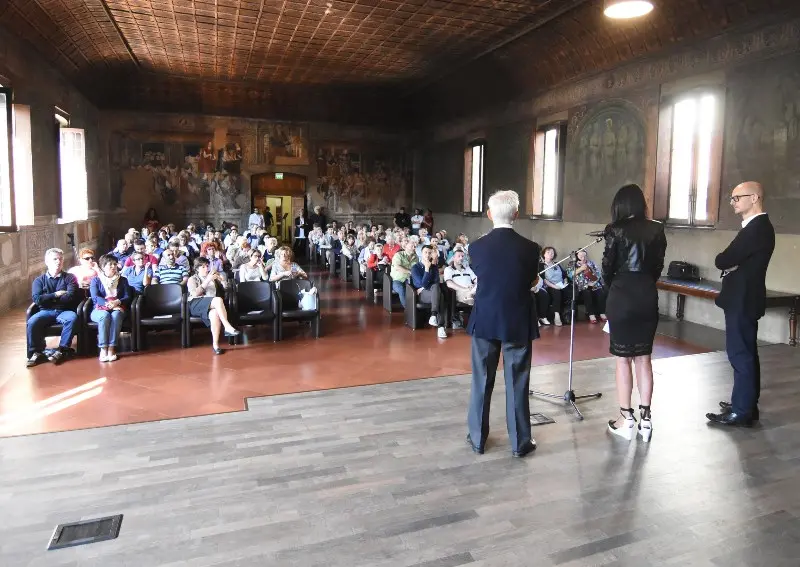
x=632, y=263
x=112, y=297
x=254, y=270
x=87, y=269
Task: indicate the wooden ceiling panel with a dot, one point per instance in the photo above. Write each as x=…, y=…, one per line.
x=266, y=50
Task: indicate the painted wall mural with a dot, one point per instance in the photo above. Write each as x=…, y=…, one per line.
x=762, y=138
x=183, y=176
x=350, y=181
x=284, y=144
x=605, y=151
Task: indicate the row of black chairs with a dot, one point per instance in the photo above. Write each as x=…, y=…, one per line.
x=349, y=271
x=166, y=307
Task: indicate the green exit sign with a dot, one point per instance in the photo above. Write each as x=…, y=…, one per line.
x=279, y=176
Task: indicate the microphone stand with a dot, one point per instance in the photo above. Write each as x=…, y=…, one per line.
x=569, y=396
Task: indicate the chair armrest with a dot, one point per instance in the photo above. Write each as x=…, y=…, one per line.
x=411, y=296
x=32, y=310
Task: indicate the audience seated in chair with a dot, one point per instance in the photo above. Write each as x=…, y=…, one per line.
x=204, y=301
x=87, y=268
x=402, y=263
x=169, y=271
x=140, y=274
x=111, y=298
x=254, y=270
x=555, y=282
x=460, y=278
x=56, y=296
x=589, y=284
x=425, y=282
x=284, y=268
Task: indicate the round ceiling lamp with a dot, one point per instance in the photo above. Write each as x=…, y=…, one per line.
x=627, y=9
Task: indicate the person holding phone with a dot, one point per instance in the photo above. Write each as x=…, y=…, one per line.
x=283, y=268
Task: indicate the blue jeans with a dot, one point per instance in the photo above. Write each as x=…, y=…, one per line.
x=36, y=325
x=109, y=324
x=400, y=289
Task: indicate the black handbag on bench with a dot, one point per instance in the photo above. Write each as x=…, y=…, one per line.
x=683, y=271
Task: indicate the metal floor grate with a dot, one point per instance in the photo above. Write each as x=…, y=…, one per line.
x=87, y=531
x=540, y=419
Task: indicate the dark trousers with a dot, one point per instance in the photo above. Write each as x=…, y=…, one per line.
x=741, y=334
x=594, y=300
x=556, y=303
x=299, y=248
x=41, y=320
x=542, y=304
x=517, y=371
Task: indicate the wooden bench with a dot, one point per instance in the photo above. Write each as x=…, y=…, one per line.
x=710, y=290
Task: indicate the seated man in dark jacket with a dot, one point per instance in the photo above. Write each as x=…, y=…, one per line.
x=425, y=281
x=57, y=294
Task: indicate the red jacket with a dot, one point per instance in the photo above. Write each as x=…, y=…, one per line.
x=390, y=251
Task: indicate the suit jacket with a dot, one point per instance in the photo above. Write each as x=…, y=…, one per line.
x=744, y=289
x=505, y=264
x=298, y=225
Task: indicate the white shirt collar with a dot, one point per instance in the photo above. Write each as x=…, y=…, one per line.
x=502, y=225
x=747, y=221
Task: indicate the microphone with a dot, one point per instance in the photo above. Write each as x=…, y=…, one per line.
x=597, y=234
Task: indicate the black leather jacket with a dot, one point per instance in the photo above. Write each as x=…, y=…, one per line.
x=634, y=245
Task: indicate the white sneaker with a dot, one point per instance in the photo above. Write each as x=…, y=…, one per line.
x=544, y=321
x=103, y=358
x=626, y=430
x=433, y=322
x=557, y=320
x=441, y=333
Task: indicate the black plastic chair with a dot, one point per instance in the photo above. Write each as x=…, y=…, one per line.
x=90, y=327
x=453, y=305
x=355, y=274
x=389, y=303
x=161, y=306
x=55, y=329
x=258, y=303
x=416, y=310
x=290, y=309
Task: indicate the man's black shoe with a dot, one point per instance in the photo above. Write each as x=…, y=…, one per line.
x=731, y=419
x=727, y=408
x=475, y=448
x=526, y=449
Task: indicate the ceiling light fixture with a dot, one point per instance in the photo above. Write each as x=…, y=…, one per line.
x=627, y=9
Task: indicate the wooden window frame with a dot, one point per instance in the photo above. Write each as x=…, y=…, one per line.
x=661, y=196
x=535, y=179
x=8, y=200
x=468, y=210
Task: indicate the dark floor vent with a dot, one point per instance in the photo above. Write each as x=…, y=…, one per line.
x=88, y=531
x=540, y=419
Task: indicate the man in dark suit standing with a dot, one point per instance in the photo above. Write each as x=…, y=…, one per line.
x=301, y=229
x=744, y=264
x=503, y=318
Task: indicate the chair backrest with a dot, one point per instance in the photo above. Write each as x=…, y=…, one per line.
x=254, y=296
x=290, y=291
x=161, y=299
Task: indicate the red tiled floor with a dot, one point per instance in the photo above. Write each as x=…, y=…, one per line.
x=361, y=344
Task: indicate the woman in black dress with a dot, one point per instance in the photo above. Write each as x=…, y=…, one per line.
x=632, y=262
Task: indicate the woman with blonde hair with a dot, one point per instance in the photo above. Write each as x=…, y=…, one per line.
x=283, y=268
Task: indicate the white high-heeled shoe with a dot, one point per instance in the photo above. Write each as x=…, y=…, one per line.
x=645, y=426
x=627, y=428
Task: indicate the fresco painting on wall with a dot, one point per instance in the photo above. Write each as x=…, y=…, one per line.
x=284, y=144
x=606, y=151
x=349, y=184
x=763, y=138
x=189, y=176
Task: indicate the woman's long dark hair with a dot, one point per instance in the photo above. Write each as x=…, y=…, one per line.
x=628, y=202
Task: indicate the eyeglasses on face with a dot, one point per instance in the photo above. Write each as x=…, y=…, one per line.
x=137, y=258
x=88, y=258
x=735, y=198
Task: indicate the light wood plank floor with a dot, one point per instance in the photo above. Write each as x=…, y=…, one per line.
x=380, y=476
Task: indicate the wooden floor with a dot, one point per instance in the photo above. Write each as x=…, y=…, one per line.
x=361, y=344
x=380, y=476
